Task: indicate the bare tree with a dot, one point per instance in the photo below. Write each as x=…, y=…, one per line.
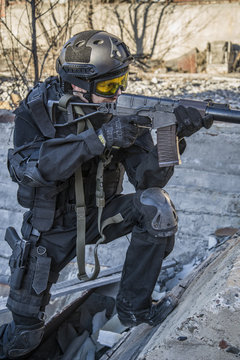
x=140, y=20
x=90, y=14
x=26, y=56
x=33, y=5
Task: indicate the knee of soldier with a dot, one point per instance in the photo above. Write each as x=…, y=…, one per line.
x=169, y=246
x=157, y=214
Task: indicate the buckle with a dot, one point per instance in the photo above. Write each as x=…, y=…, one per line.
x=35, y=232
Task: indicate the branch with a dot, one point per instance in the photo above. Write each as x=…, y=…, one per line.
x=120, y=21
x=12, y=34
x=130, y=15
x=122, y=24
x=49, y=9
x=17, y=71
x=168, y=2
x=39, y=2
x=135, y=25
x=61, y=28
x=90, y=15
x=145, y=18
x=55, y=20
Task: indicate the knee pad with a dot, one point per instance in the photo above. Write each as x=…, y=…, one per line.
x=157, y=211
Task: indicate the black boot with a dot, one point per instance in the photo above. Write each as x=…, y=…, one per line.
x=153, y=316
x=140, y=272
x=19, y=340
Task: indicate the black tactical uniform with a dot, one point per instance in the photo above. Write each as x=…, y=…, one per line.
x=50, y=194
x=44, y=162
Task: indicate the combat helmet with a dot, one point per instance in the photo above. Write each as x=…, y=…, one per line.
x=91, y=58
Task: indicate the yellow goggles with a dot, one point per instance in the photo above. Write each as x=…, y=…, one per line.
x=109, y=88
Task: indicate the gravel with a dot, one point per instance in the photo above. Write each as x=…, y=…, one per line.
x=219, y=88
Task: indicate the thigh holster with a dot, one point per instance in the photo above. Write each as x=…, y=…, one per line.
x=30, y=276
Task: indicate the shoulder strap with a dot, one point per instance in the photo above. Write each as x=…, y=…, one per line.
x=35, y=103
x=81, y=215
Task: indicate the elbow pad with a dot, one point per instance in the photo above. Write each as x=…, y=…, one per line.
x=25, y=172
x=32, y=176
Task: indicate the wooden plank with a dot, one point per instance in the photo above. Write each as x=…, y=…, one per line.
x=72, y=286
x=85, y=285
x=76, y=281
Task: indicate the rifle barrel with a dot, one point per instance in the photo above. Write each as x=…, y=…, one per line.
x=224, y=115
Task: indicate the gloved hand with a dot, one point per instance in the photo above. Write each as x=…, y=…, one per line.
x=189, y=121
x=121, y=131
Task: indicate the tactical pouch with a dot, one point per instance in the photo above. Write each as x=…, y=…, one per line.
x=41, y=200
x=25, y=194
x=43, y=210
x=42, y=271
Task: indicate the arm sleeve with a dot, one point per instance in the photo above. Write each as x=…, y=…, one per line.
x=59, y=158
x=45, y=161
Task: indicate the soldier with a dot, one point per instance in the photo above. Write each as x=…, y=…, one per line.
x=51, y=158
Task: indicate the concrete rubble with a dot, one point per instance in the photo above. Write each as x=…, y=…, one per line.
x=205, y=325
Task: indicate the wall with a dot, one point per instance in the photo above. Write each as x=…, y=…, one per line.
x=206, y=189
x=182, y=26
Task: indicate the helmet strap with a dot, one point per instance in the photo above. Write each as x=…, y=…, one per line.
x=87, y=96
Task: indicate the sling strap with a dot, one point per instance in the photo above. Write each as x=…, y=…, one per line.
x=105, y=159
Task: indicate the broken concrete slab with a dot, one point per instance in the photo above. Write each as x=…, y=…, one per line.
x=108, y=338
x=206, y=322
x=110, y=333
x=192, y=62
x=6, y=116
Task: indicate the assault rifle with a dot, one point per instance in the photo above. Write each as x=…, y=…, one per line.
x=160, y=112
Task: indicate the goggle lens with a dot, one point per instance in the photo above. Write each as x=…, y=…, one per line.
x=111, y=86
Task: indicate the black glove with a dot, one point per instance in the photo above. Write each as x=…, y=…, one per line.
x=189, y=121
x=121, y=131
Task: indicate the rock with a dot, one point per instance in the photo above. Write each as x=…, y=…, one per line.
x=15, y=98
x=108, y=338
x=6, y=116
x=5, y=105
x=154, y=80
